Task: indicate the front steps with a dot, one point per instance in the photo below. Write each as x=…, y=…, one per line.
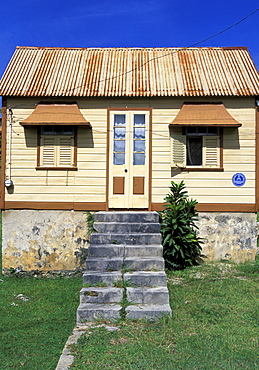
x=124, y=275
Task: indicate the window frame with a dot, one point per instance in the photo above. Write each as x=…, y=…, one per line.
x=39, y=166
x=183, y=139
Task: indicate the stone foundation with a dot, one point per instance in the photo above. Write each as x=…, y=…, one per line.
x=57, y=240
x=44, y=240
x=231, y=236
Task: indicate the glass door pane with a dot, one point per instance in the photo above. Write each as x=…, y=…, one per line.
x=139, y=139
x=119, y=139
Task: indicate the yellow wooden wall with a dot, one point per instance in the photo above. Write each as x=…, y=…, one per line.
x=209, y=187
x=88, y=184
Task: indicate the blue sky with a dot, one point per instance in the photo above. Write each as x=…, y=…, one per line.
x=128, y=23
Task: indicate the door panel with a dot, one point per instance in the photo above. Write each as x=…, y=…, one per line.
x=118, y=185
x=128, y=161
x=139, y=185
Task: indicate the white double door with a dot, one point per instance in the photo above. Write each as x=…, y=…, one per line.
x=129, y=159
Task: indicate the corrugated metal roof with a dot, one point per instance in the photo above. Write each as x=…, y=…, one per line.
x=40, y=71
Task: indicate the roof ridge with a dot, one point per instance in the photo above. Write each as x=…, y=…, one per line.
x=135, y=48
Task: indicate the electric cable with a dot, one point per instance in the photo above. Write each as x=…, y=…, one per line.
x=162, y=56
x=154, y=58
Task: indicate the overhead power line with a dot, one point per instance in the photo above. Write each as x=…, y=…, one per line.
x=164, y=55
x=226, y=29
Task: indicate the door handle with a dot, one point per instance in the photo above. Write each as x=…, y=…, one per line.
x=126, y=170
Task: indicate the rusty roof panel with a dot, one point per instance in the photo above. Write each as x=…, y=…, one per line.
x=61, y=72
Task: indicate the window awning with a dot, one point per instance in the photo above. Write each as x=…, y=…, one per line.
x=56, y=114
x=204, y=115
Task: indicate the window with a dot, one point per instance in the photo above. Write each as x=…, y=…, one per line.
x=198, y=146
x=139, y=138
x=119, y=139
x=57, y=147
x=129, y=130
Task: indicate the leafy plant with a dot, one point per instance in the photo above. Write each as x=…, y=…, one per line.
x=122, y=283
x=90, y=223
x=181, y=245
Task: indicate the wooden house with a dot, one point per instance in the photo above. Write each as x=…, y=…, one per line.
x=89, y=129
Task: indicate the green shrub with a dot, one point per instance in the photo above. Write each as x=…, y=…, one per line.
x=90, y=224
x=181, y=245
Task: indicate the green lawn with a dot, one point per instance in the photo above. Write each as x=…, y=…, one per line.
x=215, y=325
x=33, y=332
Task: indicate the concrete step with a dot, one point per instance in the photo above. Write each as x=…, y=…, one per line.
x=155, y=296
x=94, y=278
x=150, y=312
x=91, y=312
x=126, y=216
x=104, y=264
x=126, y=227
x=144, y=264
x=121, y=250
x=101, y=295
x=129, y=239
x=130, y=263
x=106, y=250
x=143, y=250
x=124, y=241
x=146, y=278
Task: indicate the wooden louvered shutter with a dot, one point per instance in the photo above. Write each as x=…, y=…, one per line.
x=47, y=151
x=211, y=151
x=178, y=151
x=66, y=151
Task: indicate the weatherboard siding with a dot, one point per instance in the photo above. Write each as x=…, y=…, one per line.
x=88, y=183
x=209, y=186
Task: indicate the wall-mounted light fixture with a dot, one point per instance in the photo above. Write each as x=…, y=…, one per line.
x=8, y=183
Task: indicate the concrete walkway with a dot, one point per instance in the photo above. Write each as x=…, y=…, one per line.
x=66, y=358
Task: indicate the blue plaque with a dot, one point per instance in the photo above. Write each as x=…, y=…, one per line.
x=238, y=179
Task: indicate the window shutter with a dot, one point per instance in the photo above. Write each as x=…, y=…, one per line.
x=48, y=151
x=211, y=151
x=178, y=151
x=66, y=151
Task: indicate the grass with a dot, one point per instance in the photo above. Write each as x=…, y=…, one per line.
x=214, y=325
x=33, y=332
